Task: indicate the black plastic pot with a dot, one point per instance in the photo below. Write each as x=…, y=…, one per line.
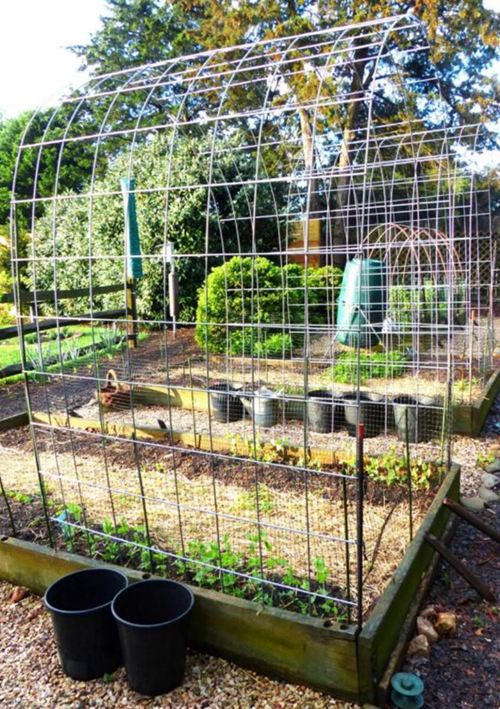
x=225, y=403
x=369, y=414
x=325, y=412
x=80, y=606
x=420, y=418
x=152, y=624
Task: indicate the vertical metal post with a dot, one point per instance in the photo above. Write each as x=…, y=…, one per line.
x=408, y=468
x=360, y=475
x=131, y=303
x=9, y=509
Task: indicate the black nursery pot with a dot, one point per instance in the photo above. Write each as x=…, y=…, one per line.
x=324, y=412
x=369, y=414
x=152, y=624
x=225, y=403
x=420, y=418
x=86, y=634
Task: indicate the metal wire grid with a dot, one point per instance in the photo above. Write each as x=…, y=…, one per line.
x=265, y=118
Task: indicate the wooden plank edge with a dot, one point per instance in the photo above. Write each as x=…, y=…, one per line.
x=15, y=421
x=382, y=690
x=200, y=441
x=275, y=642
x=368, y=674
x=482, y=409
x=469, y=420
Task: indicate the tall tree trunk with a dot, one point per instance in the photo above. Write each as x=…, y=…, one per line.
x=342, y=235
x=313, y=207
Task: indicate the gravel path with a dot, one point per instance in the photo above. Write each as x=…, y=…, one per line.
x=30, y=676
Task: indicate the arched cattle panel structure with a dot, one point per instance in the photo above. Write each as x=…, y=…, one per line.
x=268, y=245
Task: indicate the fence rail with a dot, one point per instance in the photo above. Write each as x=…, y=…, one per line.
x=40, y=324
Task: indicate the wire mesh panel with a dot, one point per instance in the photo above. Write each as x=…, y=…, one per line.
x=263, y=402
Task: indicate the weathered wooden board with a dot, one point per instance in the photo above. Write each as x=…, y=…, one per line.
x=50, y=296
x=238, y=447
x=381, y=632
x=8, y=333
x=14, y=421
x=469, y=420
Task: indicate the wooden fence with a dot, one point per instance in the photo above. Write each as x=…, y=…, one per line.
x=34, y=323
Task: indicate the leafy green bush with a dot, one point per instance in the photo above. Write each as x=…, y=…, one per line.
x=277, y=345
x=372, y=365
x=265, y=298
x=392, y=469
x=184, y=223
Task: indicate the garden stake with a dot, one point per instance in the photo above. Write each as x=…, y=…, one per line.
x=192, y=395
x=347, y=551
x=143, y=499
x=359, y=520
x=9, y=510
x=408, y=467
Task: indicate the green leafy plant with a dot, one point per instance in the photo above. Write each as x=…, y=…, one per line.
x=372, y=365
x=392, y=469
x=265, y=297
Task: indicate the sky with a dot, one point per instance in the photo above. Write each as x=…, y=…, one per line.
x=36, y=67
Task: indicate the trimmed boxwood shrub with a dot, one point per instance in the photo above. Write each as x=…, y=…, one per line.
x=252, y=306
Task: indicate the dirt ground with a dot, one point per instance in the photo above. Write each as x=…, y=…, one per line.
x=463, y=671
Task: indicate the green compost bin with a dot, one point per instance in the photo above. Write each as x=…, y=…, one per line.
x=362, y=303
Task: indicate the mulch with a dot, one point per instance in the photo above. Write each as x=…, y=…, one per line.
x=463, y=671
x=31, y=677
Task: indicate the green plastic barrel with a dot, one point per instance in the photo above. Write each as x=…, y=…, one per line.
x=362, y=303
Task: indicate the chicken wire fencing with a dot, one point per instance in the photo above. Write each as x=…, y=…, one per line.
x=301, y=267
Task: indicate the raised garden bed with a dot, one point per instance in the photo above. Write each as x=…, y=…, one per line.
x=335, y=657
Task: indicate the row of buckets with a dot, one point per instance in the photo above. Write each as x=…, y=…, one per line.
x=328, y=411
x=101, y=622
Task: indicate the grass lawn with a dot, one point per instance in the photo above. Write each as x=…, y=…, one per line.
x=78, y=345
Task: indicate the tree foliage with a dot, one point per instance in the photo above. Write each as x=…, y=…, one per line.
x=93, y=230
x=54, y=171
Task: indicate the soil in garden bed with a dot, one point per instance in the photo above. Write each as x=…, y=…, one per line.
x=292, y=504
x=23, y=517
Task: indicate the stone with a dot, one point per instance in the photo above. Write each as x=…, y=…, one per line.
x=446, y=624
x=487, y=495
x=428, y=612
x=494, y=450
x=474, y=504
x=18, y=593
x=488, y=480
x=493, y=467
x=419, y=647
x=425, y=627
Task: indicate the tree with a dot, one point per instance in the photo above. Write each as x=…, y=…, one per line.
x=463, y=35
x=70, y=173
x=83, y=224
